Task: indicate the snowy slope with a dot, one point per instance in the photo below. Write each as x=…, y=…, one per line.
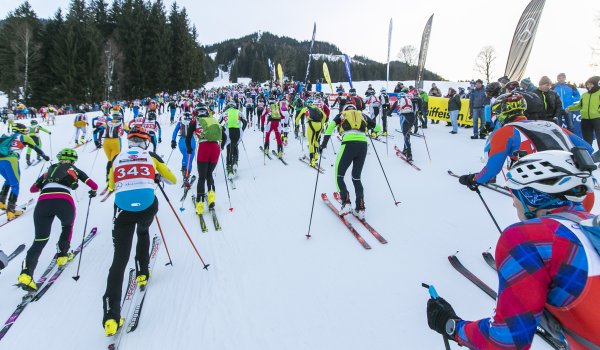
x=268, y=287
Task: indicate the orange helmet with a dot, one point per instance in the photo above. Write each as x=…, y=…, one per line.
x=139, y=132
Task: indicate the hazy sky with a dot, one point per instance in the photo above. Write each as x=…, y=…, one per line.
x=566, y=35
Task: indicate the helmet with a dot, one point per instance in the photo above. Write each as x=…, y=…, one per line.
x=508, y=106
x=34, y=122
x=512, y=85
x=493, y=89
x=231, y=105
x=404, y=89
x=202, y=111
x=349, y=106
x=545, y=179
x=352, y=91
x=383, y=90
x=67, y=154
x=138, y=137
x=187, y=115
x=115, y=114
x=20, y=128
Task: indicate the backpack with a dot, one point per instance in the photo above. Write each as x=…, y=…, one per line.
x=590, y=227
x=275, y=114
x=6, y=142
x=210, y=129
x=314, y=114
x=405, y=105
x=353, y=120
x=60, y=173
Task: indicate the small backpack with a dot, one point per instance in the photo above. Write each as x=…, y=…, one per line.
x=6, y=142
x=405, y=105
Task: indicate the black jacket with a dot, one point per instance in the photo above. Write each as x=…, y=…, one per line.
x=454, y=103
x=552, y=104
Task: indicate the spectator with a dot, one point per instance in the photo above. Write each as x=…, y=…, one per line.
x=319, y=85
x=462, y=93
x=435, y=91
x=589, y=105
x=527, y=86
x=477, y=102
x=398, y=87
x=503, y=81
x=552, y=105
x=568, y=94
x=424, y=108
x=454, y=105
x=370, y=91
x=308, y=85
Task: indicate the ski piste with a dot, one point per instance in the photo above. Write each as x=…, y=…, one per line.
x=458, y=266
x=403, y=157
x=41, y=287
x=263, y=151
x=369, y=228
x=25, y=208
x=187, y=188
x=203, y=226
x=357, y=235
x=492, y=187
x=115, y=340
x=141, y=295
x=281, y=159
x=16, y=252
x=305, y=161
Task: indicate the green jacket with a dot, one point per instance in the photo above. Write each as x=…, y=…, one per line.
x=588, y=105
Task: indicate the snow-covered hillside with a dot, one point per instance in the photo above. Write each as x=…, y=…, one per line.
x=268, y=287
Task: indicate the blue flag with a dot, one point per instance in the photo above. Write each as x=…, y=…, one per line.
x=348, y=72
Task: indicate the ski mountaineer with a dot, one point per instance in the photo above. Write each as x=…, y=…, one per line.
x=80, y=123
x=55, y=201
x=34, y=133
x=132, y=177
x=340, y=101
x=270, y=119
x=352, y=126
x=260, y=107
x=112, y=139
x=403, y=107
x=153, y=127
x=299, y=106
x=209, y=133
x=10, y=148
x=181, y=130
x=284, y=109
x=316, y=119
x=518, y=137
x=172, y=109
x=250, y=109
x=548, y=264
x=99, y=126
x=234, y=124
x=384, y=99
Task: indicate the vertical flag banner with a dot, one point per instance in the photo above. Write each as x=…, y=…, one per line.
x=522, y=41
x=312, y=43
x=280, y=73
x=423, y=53
x=387, y=75
x=326, y=75
x=348, y=73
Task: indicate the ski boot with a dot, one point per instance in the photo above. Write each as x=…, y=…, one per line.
x=346, y=204
x=28, y=159
x=359, y=211
x=111, y=326
x=234, y=168
x=280, y=151
x=211, y=199
x=11, y=211
x=266, y=148
x=3, y=196
x=82, y=140
x=63, y=258
x=200, y=205
x=141, y=280
x=384, y=134
x=26, y=282
x=313, y=160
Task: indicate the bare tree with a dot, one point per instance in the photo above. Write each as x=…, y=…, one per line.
x=408, y=54
x=26, y=52
x=484, y=62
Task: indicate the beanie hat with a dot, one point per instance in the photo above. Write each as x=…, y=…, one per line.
x=545, y=80
x=526, y=81
x=594, y=80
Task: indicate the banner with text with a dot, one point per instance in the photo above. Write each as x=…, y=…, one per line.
x=437, y=109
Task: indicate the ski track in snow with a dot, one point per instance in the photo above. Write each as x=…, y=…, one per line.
x=267, y=286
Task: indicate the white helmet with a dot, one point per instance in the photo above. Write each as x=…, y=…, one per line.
x=553, y=172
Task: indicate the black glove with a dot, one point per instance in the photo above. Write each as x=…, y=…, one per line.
x=439, y=311
x=469, y=181
x=46, y=158
x=322, y=147
x=159, y=140
x=75, y=185
x=92, y=193
x=489, y=126
x=157, y=178
x=174, y=144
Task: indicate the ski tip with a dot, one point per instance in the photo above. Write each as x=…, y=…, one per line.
x=95, y=229
x=76, y=278
x=231, y=209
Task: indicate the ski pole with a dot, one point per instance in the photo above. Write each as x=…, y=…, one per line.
x=434, y=295
x=248, y=158
x=51, y=152
x=384, y=175
x=488, y=209
x=76, y=277
x=182, y=226
x=163, y=238
x=426, y=147
x=169, y=158
x=313, y=201
x=226, y=183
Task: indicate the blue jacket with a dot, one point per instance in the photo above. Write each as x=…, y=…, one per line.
x=319, y=87
x=568, y=94
x=477, y=98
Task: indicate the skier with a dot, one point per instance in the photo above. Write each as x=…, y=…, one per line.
x=55, y=200
x=356, y=100
x=234, y=120
x=260, y=107
x=384, y=99
x=209, y=133
x=112, y=139
x=374, y=105
x=518, y=137
x=172, y=109
x=34, y=133
x=181, y=130
x=548, y=264
x=403, y=108
x=352, y=126
x=340, y=101
x=370, y=91
x=10, y=148
x=298, y=106
x=316, y=119
x=271, y=118
x=132, y=177
x=99, y=125
x=152, y=127
x=250, y=109
x=80, y=123
x=51, y=115
x=284, y=109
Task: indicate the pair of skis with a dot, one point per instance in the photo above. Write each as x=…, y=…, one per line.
x=403, y=157
x=213, y=215
x=274, y=154
x=305, y=160
x=186, y=187
x=491, y=186
x=133, y=301
x=24, y=207
x=42, y=285
x=489, y=259
x=351, y=228
x=16, y=252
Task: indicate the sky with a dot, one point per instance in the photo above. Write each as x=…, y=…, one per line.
x=566, y=36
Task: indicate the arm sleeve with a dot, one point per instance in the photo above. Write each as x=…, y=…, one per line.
x=299, y=115
x=83, y=177
x=503, y=142
x=175, y=131
x=331, y=126
x=26, y=139
x=163, y=169
x=159, y=130
x=189, y=135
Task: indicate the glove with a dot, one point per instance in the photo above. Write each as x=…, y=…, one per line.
x=92, y=193
x=322, y=147
x=489, y=126
x=50, y=133
x=74, y=185
x=469, y=181
x=439, y=311
x=46, y=158
x=174, y=144
x=157, y=178
x=159, y=140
